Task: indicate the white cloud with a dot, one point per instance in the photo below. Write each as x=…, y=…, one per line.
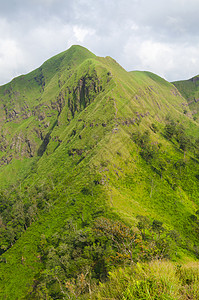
x=11, y=59
x=169, y=60
x=81, y=33
x=160, y=36
x=156, y=56
x=47, y=2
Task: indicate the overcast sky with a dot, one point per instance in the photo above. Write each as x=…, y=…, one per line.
x=161, y=36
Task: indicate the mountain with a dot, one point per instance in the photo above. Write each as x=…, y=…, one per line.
x=99, y=167
x=190, y=91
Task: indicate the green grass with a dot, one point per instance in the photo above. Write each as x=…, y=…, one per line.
x=69, y=128
x=190, y=91
x=157, y=280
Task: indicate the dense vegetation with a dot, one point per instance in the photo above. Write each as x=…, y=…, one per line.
x=156, y=280
x=99, y=178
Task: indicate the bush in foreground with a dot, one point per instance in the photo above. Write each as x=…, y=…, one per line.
x=161, y=280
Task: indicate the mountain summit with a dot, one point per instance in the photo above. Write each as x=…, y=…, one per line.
x=96, y=164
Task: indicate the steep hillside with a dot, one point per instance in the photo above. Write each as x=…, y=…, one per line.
x=31, y=104
x=190, y=91
x=96, y=164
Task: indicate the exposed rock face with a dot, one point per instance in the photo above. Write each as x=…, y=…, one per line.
x=83, y=94
x=22, y=145
x=30, y=123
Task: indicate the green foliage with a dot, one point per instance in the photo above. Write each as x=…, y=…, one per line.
x=157, y=280
x=85, y=148
x=170, y=129
x=190, y=91
x=141, y=139
x=176, y=130
x=76, y=259
x=148, y=149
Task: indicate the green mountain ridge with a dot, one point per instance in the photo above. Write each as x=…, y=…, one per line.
x=85, y=145
x=190, y=91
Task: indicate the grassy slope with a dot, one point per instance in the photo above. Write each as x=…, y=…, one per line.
x=102, y=132
x=134, y=186
x=190, y=91
x=30, y=107
x=63, y=175
x=158, y=280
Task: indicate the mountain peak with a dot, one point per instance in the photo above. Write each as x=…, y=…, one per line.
x=77, y=48
x=79, y=51
x=93, y=155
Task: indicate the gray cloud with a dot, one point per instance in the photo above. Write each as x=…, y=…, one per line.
x=159, y=36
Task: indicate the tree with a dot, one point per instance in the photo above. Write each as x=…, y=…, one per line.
x=182, y=138
x=170, y=129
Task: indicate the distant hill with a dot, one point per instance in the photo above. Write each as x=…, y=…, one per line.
x=190, y=91
x=99, y=167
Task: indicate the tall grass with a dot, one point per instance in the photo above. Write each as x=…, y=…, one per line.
x=158, y=280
